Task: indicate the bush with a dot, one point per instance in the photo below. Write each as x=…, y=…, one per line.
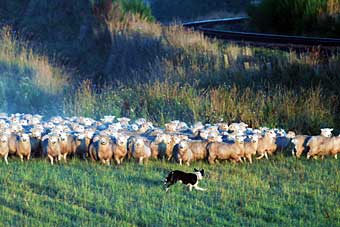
x=302, y=17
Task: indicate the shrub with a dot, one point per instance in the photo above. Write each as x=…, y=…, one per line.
x=297, y=17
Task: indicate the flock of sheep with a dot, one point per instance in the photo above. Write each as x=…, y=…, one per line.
x=119, y=139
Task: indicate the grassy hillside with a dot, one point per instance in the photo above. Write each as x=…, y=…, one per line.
x=282, y=191
x=108, y=60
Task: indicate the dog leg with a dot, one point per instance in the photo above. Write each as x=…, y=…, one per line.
x=167, y=187
x=199, y=189
x=190, y=187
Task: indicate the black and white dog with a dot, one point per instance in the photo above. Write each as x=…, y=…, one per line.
x=189, y=179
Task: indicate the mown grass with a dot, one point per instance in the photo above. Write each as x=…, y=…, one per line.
x=279, y=192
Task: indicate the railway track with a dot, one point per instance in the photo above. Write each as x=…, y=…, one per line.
x=207, y=28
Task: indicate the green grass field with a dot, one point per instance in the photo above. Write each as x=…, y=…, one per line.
x=279, y=192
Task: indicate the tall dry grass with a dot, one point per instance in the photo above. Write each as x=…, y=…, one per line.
x=28, y=82
x=305, y=110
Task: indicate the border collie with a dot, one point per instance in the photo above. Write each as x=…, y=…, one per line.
x=189, y=179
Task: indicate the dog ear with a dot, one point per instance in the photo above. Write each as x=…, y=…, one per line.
x=196, y=170
x=202, y=172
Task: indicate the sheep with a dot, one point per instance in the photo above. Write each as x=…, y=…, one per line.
x=35, y=139
x=124, y=122
x=283, y=140
x=223, y=127
x=251, y=147
x=101, y=150
x=4, y=149
x=184, y=153
x=226, y=151
x=266, y=145
x=196, y=128
x=120, y=149
x=170, y=142
x=80, y=145
x=192, y=151
x=171, y=127
x=66, y=147
x=140, y=150
x=158, y=146
x=23, y=146
x=12, y=144
x=144, y=127
x=300, y=142
x=51, y=147
x=326, y=132
x=322, y=146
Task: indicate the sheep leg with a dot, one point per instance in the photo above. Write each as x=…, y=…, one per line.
x=188, y=163
x=266, y=155
x=199, y=189
x=140, y=162
x=65, y=155
x=180, y=162
x=233, y=161
x=21, y=157
x=336, y=156
x=6, y=159
x=211, y=160
x=260, y=157
x=117, y=161
x=51, y=159
x=250, y=159
x=293, y=152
